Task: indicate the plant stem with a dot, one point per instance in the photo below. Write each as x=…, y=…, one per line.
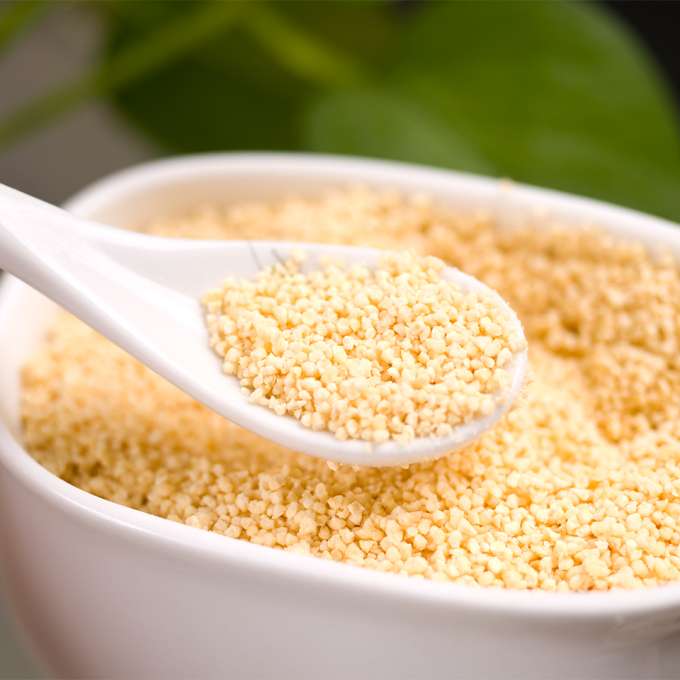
x=146, y=55
x=300, y=52
x=17, y=17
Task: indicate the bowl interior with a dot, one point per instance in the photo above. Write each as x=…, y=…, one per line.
x=166, y=188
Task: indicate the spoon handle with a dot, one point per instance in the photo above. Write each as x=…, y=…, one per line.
x=16, y=203
x=37, y=247
x=44, y=247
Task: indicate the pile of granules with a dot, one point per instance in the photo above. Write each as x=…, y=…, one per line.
x=578, y=488
x=395, y=352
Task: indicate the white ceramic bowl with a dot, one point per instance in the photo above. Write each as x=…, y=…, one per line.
x=105, y=591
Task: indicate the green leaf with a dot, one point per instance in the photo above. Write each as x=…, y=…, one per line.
x=239, y=91
x=556, y=94
x=373, y=123
x=300, y=51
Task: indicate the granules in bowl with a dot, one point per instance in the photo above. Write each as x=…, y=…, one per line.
x=391, y=352
x=578, y=488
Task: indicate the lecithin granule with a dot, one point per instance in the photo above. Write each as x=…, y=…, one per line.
x=394, y=351
x=578, y=488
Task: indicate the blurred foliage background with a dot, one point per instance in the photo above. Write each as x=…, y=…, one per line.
x=558, y=94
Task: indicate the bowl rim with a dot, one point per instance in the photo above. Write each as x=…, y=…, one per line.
x=197, y=544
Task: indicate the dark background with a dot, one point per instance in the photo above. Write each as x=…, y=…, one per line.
x=658, y=25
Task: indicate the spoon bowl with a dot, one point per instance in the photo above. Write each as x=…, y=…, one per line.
x=142, y=292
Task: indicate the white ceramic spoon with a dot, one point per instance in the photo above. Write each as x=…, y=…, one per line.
x=142, y=292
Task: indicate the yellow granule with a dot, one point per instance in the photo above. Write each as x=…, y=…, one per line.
x=395, y=352
x=578, y=488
